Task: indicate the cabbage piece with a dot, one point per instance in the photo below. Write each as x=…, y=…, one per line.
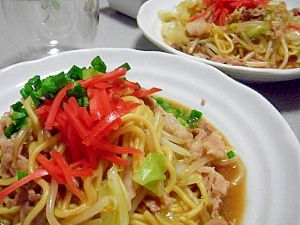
x=151, y=172
x=261, y=29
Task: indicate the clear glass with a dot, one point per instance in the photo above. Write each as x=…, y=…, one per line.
x=46, y=27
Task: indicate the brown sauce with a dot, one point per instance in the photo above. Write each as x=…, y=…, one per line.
x=234, y=204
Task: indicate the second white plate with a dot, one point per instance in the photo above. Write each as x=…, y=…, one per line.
x=150, y=25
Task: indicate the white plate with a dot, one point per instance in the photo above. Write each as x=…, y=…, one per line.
x=150, y=25
x=262, y=137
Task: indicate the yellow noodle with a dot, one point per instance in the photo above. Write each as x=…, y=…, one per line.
x=195, y=211
x=19, y=140
x=191, y=193
x=99, y=173
x=204, y=193
x=245, y=45
x=150, y=218
x=90, y=191
x=37, y=149
x=224, y=47
x=136, y=222
x=141, y=119
x=51, y=203
x=183, y=196
x=138, y=217
x=71, y=211
x=64, y=203
x=28, y=105
x=172, y=177
x=187, y=221
x=11, y=210
x=8, y=181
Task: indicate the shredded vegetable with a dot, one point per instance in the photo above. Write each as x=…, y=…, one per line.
x=19, y=119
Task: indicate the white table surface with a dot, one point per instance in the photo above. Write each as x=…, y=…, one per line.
x=120, y=31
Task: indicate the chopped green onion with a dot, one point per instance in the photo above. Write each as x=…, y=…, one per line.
x=184, y=118
x=60, y=80
x=75, y=73
x=48, y=85
x=21, y=174
x=180, y=112
x=84, y=101
x=18, y=115
x=35, y=82
x=79, y=93
x=230, y=154
x=182, y=122
x=17, y=106
x=35, y=99
x=193, y=118
x=125, y=65
x=21, y=123
x=19, y=119
x=10, y=130
x=98, y=64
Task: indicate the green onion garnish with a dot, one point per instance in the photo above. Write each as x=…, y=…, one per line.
x=19, y=119
x=79, y=93
x=21, y=174
x=99, y=65
x=75, y=73
x=17, y=106
x=10, y=130
x=125, y=65
x=183, y=117
x=230, y=154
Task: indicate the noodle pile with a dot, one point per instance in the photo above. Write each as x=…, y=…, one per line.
x=174, y=181
x=257, y=34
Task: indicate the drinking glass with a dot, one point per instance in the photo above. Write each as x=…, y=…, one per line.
x=45, y=27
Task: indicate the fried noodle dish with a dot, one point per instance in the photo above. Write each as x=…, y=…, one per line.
x=251, y=33
x=90, y=147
